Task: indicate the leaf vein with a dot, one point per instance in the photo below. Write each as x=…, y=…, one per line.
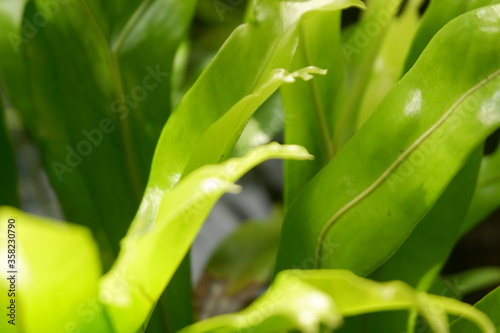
x=396, y=163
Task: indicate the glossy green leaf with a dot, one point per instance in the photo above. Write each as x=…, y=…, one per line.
x=8, y=166
x=219, y=139
x=396, y=167
x=53, y=278
x=273, y=51
x=248, y=58
x=308, y=105
x=389, y=62
x=421, y=257
x=436, y=235
x=305, y=299
x=215, y=117
x=164, y=235
x=361, y=71
x=265, y=125
x=96, y=100
x=488, y=305
x=360, y=46
x=435, y=17
x=487, y=193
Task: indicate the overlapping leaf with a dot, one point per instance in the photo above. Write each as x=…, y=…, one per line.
x=265, y=43
x=94, y=99
x=419, y=260
x=266, y=123
x=248, y=59
x=219, y=139
x=461, y=284
x=305, y=300
x=390, y=59
x=389, y=175
x=322, y=114
x=360, y=46
x=487, y=192
x=308, y=105
x=437, y=15
x=488, y=305
x=165, y=235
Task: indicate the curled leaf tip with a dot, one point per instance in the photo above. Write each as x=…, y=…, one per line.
x=294, y=151
x=306, y=72
x=359, y=4
x=316, y=70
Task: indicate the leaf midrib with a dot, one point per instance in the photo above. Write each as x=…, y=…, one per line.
x=396, y=163
x=131, y=23
x=111, y=52
x=319, y=110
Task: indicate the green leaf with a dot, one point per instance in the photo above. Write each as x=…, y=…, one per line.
x=421, y=257
x=396, y=167
x=464, y=283
x=305, y=299
x=436, y=235
x=11, y=41
x=265, y=125
x=174, y=309
x=266, y=43
x=96, y=99
x=164, y=232
x=219, y=139
x=54, y=277
x=390, y=59
x=487, y=193
x=214, y=117
x=8, y=166
x=96, y=103
x=488, y=305
x=435, y=17
x=308, y=105
x=360, y=46
x=317, y=111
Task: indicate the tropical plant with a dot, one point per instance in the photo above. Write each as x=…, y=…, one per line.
x=384, y=122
